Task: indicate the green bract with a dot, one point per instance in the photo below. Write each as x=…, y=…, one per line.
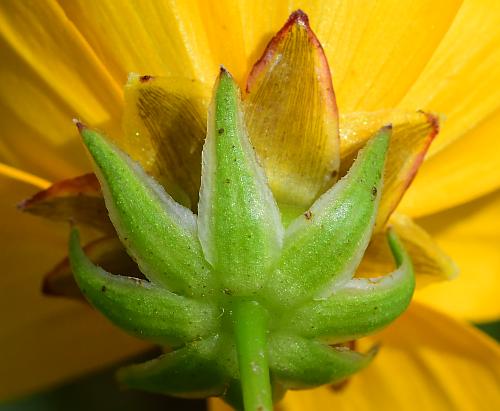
x=240, y=300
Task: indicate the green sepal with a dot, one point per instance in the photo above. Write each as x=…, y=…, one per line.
x=158, y=233
x=359, y=307
x=237, y=250
x=140, y=307
x=239, y=221
x=299, y=363
x=193, y=371
x=323, y=247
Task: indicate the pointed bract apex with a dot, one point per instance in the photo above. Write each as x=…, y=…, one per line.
x=224, y=72
x=298, y=17
x=224, y=77
x=434, y=121
x=84, y=185
x=79, y=125
x=386, y=128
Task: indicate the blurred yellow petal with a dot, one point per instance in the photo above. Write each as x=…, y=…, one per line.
x=216, y=404
x=164, y=129
x=470, y=234
x=24, y=177
x=377, y=49
x=44, y=340
x=75, y=200
x=106, y=252
x=412, y=135
x=462, y=79
x=430, y=262
x=291, y=115
x=465, y=170
x=49, y=75
x=427, y=361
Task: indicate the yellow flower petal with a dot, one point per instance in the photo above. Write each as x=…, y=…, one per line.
x=44, y=341
x=470, y=234
x=462, y=79
x=261, y=20
x=160, y=38
x=76, y=200
x=365, y=68
x=412, y=135
x=106, y=252
x=430, y=262
x=221, y=21
x=291, y=115
x=465, y=170
x=427, y=361
x=377, y=49
x=164, y=129
x=49, y=75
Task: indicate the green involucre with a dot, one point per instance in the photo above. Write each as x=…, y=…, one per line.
x=239, y=222
x=360, y=306
x=324, y=246
x=193, y=371
x=158, y=233
x=236, y=255
x=140, y=307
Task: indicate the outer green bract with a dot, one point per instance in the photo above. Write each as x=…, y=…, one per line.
x=201, y=270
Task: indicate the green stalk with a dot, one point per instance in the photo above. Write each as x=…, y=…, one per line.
x=250, y=328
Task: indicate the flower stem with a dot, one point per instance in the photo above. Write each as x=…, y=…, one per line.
x=250, y=327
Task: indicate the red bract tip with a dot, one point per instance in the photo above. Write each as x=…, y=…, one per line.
x=298, y=16
x=434, y=122
x=79, y=125
x=297, y=19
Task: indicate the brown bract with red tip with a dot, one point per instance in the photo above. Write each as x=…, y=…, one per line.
x=77, y=200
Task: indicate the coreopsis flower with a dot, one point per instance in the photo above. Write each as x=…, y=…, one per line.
x=71, y=59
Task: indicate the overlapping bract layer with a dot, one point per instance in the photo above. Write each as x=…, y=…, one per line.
x=296, y=139
x=237, y=249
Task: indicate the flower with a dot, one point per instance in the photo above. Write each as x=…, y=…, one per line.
x=72, y=59
x=232, y=292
